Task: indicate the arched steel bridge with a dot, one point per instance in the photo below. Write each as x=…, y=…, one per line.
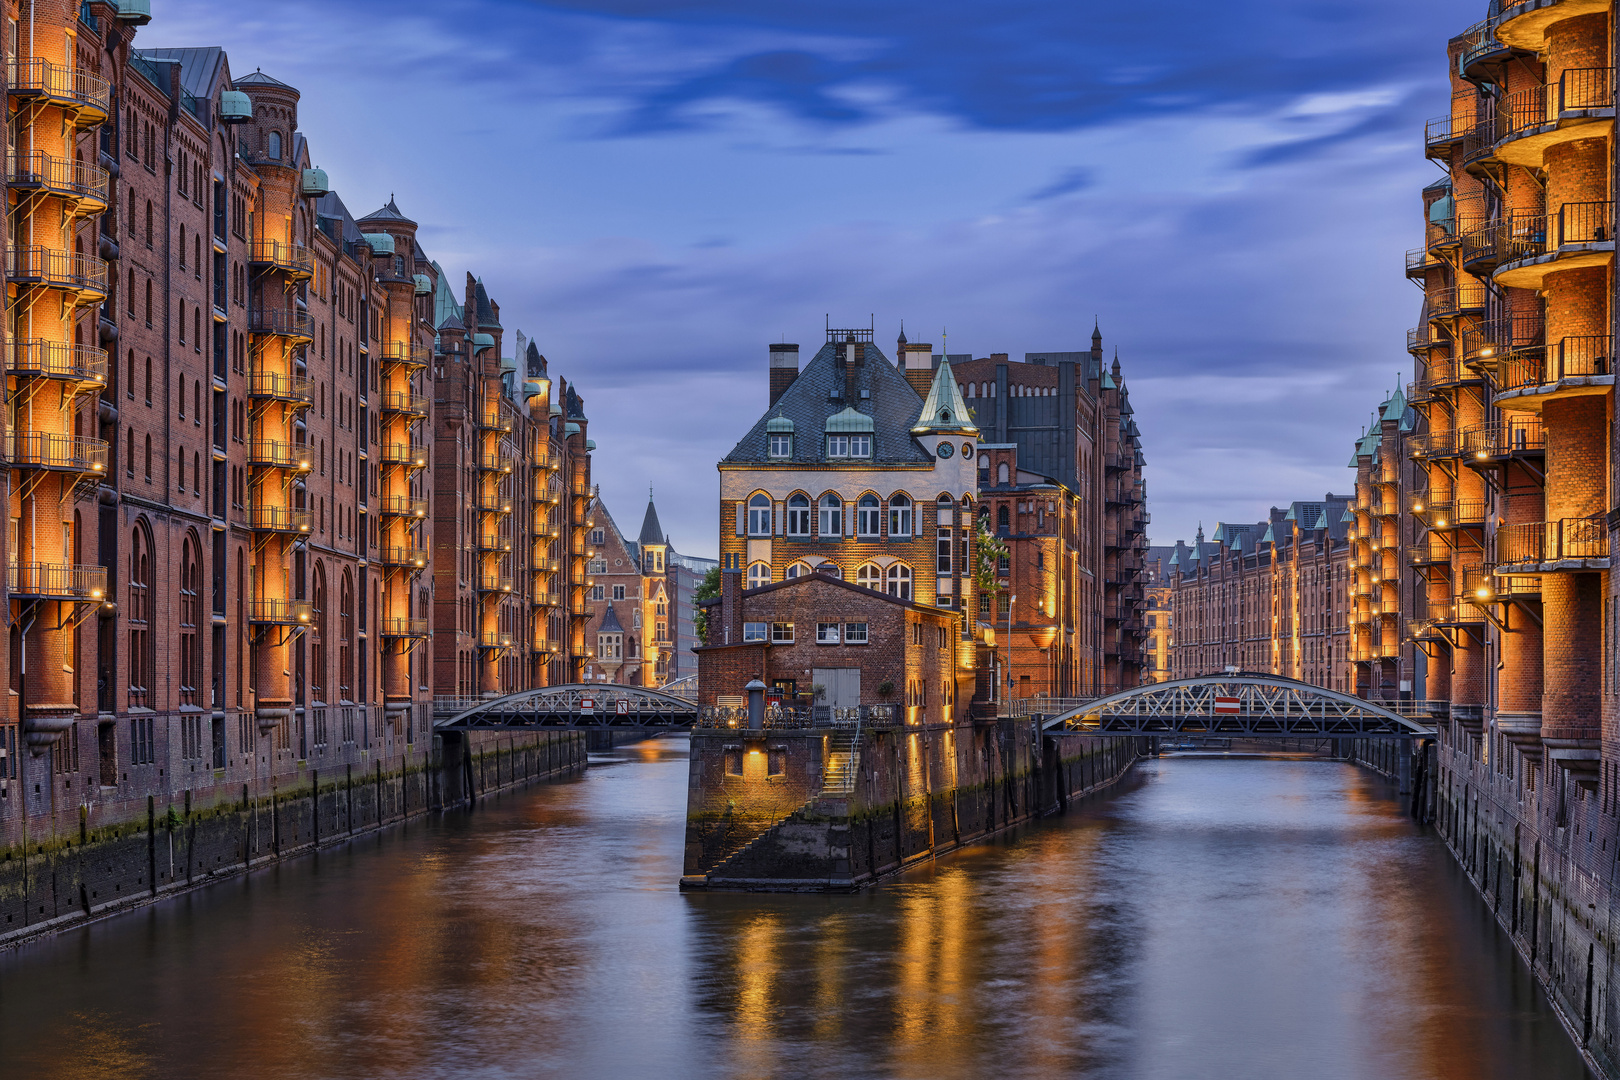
x=1240, y=705
x=575, y=705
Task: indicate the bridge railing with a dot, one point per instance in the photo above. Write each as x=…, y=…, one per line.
x=788, y=717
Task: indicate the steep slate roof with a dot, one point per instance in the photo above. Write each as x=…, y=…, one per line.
x=610, y=623
x=199, y=68
x=330, y=206
x=651, y=531
x=446, y=312
x=892, y=404
x=486, y=313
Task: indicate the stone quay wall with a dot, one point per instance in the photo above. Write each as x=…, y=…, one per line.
x=1541, y=849
x=91, y=860
x=758, y=818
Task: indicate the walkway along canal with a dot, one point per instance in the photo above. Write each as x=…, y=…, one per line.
x=1208, y=916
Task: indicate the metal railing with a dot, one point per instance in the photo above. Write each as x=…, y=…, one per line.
x=1445, y=130
x=400, y=352
x=494, y=639
x=399, y=401
x=48, y=450
x=283, y=322
x=1567, y=539
x=1493, y=339
x=495, y=419
x=1451, y=300
x=493, y=502
x=408, y=454
x=279, y=387
x=33, y=76
x=1418, y=338
x=1577, y=90
x=496, y=583
x=294, y=258
x=36, y=264
x=1519, y=435
x=494, y=543
x=280, y=612
x=66, y=177
x=1572, y=357
x=402, y=506
x=496, y=461
x=280, y=519
x=278, y=454
x=1462, y=514
x=403, y=556
x=56, y=360
x=70, y=581
x=404, y=627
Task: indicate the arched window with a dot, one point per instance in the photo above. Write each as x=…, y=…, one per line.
x=149, y=459
x=759, y=574
x=190, y=587
x=148, y=222
x=129, y=452
x=798, y=515
x=832, y=516
x=346, y=638
x=141, y=672
x=1001, y=473
x=868, y=517
x=1001, y=519
x=149, y=380
x=275, y=146
x=182, y=247
x=870, y=576
x=196, y=401
x=899, y=516
x=196, y=473
x=831, y=569
x=759, y=515
x=149, y=303
x=797, y=570
x=900, y=581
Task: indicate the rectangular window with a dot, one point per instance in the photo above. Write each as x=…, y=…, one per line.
x=733, y=762
x=798, y=520
x=598, y=536
x=838, y=446
x=754, y=631
x=776, y=762
x=781, y=633
x=942, y=562
x=596, y=592
x=866, y=521
x=618, y=592
x=855, y=633
x=781, y=446
x=827, y=633
x=860, y=446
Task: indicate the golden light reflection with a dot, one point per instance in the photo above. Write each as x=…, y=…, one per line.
x=758, y=961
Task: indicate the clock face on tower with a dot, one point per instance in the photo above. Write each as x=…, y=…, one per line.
x=946, y=450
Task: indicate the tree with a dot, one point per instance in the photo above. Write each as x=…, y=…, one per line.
x=708, y=589
x=986, y=570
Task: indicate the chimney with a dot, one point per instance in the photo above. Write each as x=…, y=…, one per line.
x=918, y=364
x=784, y=369
x=1001, y=358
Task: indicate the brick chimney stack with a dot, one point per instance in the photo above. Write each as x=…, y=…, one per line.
x=784, y=369
x=918, y=365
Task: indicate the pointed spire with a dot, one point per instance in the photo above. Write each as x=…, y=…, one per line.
x=651, y=531
x=943, y=409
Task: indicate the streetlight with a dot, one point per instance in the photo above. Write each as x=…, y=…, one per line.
x=1011, y=600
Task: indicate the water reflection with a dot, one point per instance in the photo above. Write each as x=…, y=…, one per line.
x=1217, y=917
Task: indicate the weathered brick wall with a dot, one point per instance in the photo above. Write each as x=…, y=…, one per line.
x=94, y=861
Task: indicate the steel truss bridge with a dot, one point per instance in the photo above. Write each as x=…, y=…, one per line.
x=1237, y=706
x=576, y=705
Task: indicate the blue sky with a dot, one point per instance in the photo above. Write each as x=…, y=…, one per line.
x=656, y=190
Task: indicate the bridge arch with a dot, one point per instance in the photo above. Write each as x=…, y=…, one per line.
x=1240, y=705
x=600, y=705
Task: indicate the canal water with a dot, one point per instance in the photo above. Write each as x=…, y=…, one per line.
x=1215, y=917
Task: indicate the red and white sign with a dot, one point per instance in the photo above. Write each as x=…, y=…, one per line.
x=1227, y=705
x=587, y=704
x=622, y=707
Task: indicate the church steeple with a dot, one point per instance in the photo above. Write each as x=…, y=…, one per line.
x=1096, y=344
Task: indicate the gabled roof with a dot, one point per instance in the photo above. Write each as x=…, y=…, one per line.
x=199, y=68
x=890, y=401
x=446, y=312
x=330, y=206
x=486, y=313
x=1395, y=407
x=943, y=409
x=651, y=531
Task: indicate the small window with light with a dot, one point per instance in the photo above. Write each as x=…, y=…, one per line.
x=827, y=633
x=782, y=633
x=754, y=631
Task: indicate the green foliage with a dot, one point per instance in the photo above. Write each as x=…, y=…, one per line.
x=991, y=551
x=885, y=688
x=708, y=589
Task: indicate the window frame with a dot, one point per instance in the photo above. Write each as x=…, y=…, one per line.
x=829, y=633
x=756, y=631
x=857, y=633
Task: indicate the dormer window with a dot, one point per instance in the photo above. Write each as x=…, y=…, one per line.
x=781, y=446
x=779, y=438
x=860, y=446
x=838, y=446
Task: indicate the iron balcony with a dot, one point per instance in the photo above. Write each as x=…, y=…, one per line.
x=280, y=612
x=408, y=557
x=82, y=183
x=278, y=454
x=1572, y=365
x=494, y=583
x=281, y=322
x=81, y=93
x=85, y=276
x=404, y=403
x=402, y=506
x=408, y=454
x=57, y=581
x=274, y=386
x=59, y=453
x=494, y=639
x=406, y=354
x=294, y=259
x=1580, y=543
x=38, y=358
x=405, y=628
x=280, y=519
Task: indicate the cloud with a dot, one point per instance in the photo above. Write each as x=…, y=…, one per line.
x=1067, y=182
